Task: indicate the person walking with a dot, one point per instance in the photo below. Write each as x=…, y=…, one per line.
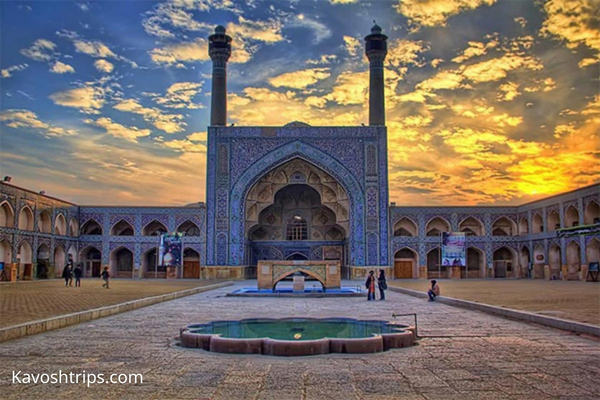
x=105, y=276
x=78, y=272
x=382, y=284
x=67, y=274
x=434, y=291
x=370, y=285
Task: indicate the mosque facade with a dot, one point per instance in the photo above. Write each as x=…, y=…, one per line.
x=299, y=192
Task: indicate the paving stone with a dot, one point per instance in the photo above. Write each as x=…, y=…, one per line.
x=507, y=359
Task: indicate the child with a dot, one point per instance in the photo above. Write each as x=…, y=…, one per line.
x=78, y=272
x=434, y=291
x=105, y=275
x=370, y=285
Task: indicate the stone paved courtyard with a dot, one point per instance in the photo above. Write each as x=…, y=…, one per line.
x=464, y=355
x=576, y=301
x=29, y=301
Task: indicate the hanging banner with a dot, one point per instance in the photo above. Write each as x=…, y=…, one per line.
x=170, y=249
x=453, y=249
x=584, y=230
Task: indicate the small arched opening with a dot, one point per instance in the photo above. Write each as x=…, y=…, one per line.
x=7, y=215
x=405, y=264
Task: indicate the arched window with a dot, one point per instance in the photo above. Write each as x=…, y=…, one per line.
x=297, y=228
x=7, y=216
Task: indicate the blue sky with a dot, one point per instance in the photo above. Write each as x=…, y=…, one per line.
x=488, y=101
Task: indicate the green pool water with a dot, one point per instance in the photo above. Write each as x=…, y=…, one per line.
x=296, y=328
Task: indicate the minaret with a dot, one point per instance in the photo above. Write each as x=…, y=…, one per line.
x=376, y=50
x=219, y=50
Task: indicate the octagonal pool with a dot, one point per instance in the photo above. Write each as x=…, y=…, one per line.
x=297, y=336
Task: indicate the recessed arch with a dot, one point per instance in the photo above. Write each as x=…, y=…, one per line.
x=73, y=227
x=555, y=260
x=406, y=261
x=553, y=221
x=5, y=253
x=537, y=224
x=60, y=260
x=25, y=259
x=122, y=228
x=592, y=251
x=7, y=215
x=471, y=226
x=188, y=228
x=525, y=261
x=505, y=262
x=304, y=271
x=436, y=226
x=341, y=177
x=45, y=222
x=475, y=267
x=91, y=258
x=191, y=264
x=573, y=261
x=121, y=262
x=571, y=217
x=26, y=219
x=91, y=227
x=150, y=267
x=591, y=214
x=154, y=228
x=435, y=270
x=60, y=225
x=405, y=227
x=297, y=256
x=503, y=226
x=523, y=226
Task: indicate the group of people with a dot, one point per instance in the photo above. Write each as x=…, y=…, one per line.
x=69, y=272
x=381, y=284
x=378, y=282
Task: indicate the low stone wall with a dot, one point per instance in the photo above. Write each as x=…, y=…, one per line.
x=50, y=324
x=552, y=322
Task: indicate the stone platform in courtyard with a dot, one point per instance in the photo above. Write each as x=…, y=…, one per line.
x=463, y=355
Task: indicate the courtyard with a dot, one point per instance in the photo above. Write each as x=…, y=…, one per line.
x=30, y=301
x=576, y=301
x=462, y=355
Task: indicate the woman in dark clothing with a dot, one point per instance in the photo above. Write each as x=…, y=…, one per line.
x=67, y=274
x=382, y=284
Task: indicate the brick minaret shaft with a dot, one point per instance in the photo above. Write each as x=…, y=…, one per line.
x=376, y=50
x=219, y=50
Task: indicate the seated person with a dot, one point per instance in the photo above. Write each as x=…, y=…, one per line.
x=434, y=291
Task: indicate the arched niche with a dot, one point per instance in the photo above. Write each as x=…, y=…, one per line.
x=191, y=264
x=91, y=227
x=26, y=219
x=471, y=226
x=537, y=224
x=436, y=226
x=45, y=222
x=503, y=227
x=188, y=228
x=296, y=188
x=7, y=215
x=60, y=260
x=91, y=258
x=505, y=263
x=60, y=225
x=154, y=228
x=405, y=227
x=122, y=228
x=475, y=263
x=591, y=214
x=121, y=262
x=73, y=227
x=573, y=261
x=405, y=263
x=553, y=221
x=571, y=217
x=523, y=226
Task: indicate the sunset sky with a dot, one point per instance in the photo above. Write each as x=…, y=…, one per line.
x=488, y=101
